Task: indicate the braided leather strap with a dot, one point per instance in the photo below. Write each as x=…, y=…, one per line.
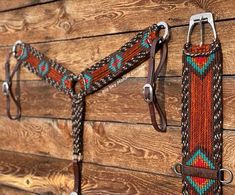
x=78, y=114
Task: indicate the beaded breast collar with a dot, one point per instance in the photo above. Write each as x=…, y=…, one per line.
x=77, y=87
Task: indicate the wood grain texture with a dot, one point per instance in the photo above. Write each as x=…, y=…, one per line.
x=32, y=173
x=76, y=55
x=52, y=176
x=10, y=5
x=5, y=190
x=126, y=156
x=69, y=19
x=32, y=135
x=135, y=147
x=121, y=101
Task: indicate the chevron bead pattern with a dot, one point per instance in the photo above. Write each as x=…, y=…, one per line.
x=201, y=63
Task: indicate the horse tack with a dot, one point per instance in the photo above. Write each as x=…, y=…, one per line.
x=141, y=47
x=201, y=167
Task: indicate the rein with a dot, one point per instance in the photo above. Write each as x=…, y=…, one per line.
x=140, y=48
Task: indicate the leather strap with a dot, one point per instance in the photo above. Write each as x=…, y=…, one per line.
x=200, y=172
x=77, y=176
x=7, y=89
x=150, y=86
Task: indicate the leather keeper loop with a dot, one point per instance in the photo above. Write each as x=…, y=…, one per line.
x=200, y=172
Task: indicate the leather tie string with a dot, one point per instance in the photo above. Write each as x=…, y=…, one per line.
x=150, y=87
x=7, y=89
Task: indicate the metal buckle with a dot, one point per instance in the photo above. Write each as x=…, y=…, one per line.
x=165, y=26
x=200, y=19
x=149, y=87
x=221, y=175
x=5, y=88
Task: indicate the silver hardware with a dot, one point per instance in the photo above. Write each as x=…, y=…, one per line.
x=5, y=88
x=166, y=27
x=73, y=193
x=230, y=176
x=15, y=46
x=177, y=168
x=201, y=18
x=149, y=87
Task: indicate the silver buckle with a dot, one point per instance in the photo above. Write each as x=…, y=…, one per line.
x=5, y=88
x=149, y=87
x=200, y=19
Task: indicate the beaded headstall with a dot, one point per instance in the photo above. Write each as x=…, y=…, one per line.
x=92, y=79
x=202, y=122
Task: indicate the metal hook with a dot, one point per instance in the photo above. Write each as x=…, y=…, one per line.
x=15, y=46
x=165, y=26
x=201, y=18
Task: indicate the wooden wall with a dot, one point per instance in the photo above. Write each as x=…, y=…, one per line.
x=123, y=153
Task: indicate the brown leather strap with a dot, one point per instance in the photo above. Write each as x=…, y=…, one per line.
x=150, y=86
x=7, y=89
x=77, y=176
x=200, y=172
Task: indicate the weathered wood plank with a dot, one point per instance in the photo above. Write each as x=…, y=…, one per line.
x=70, y=19
x=139, y=148
x=32, y=135
x=5, y=190
x=32, y=173
x=45, y=175
x=76, y=55
x=10, y=5
x=121, y=102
